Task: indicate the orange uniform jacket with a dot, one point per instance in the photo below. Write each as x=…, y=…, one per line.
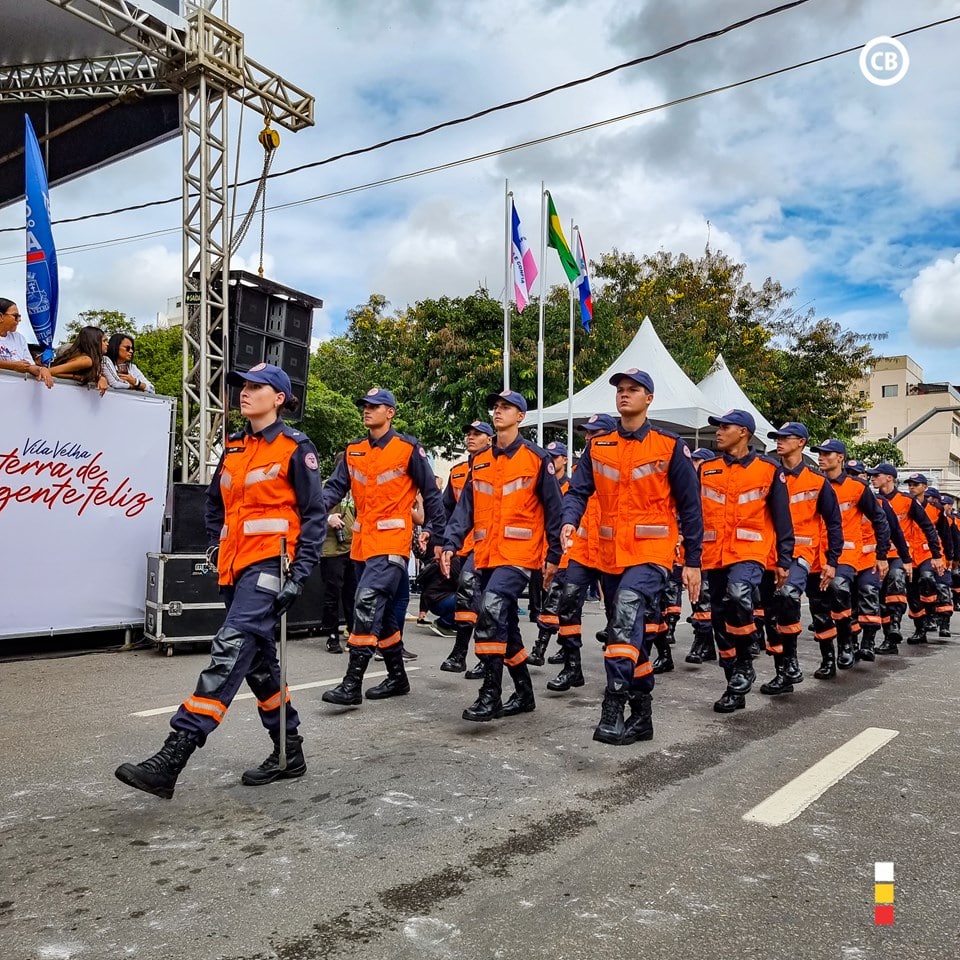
x=857, y=503
x=817, y=525
x=746, y=512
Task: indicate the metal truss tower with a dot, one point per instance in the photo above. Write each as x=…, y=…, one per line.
x=202, y=57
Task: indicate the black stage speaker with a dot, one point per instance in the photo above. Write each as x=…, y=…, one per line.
x=270, y=323
x=187, y=532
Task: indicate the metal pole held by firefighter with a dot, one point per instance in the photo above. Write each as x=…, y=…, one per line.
x=284, y=567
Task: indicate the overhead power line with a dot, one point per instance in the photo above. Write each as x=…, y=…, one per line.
x=526, y=144
x=507, y=105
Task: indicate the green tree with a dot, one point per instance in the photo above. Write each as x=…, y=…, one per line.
x=159, y=354
x=330, y=419
x=109, y=321
x=872, y=452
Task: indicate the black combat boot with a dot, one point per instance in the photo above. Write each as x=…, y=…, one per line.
x=475, y=672
x=891, y=636
x=730, y=700
x=791, y=665
x=697, y=650
x=347, y=693
x=755, y=647
x=395, y=684
x=535, y=659
x=671, y=620
x=571, y=675
x=943, y=621
x=742, y=674
x=559, y=657
x=611, y=728
x=866, y=651
x=919, y=631
x=521, y=700
x=158, y=774
x=639, y=725
x=333, y=644
x=845, y=657
x=488, y=705
x=603, y=636
x=779, y=684
x=269, y=770
x=457, y=661
x=664, y=661
x=828, y=662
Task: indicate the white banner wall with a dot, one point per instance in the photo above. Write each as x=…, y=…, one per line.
x=83, y=479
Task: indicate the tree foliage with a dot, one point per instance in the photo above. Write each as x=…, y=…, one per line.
x=109, y=321
x=872, y=452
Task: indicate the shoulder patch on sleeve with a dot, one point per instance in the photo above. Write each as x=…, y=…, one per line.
x=551, y=469
x=686, y=452
x=310, y=461
x=422, y=452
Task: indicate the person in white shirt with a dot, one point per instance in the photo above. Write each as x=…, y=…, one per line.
x=14, y=352
x=120, y=370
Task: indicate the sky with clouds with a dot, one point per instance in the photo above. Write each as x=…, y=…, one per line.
x=847, y=191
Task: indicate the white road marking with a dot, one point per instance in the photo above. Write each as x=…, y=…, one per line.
x=157, y=711
x=793, y=798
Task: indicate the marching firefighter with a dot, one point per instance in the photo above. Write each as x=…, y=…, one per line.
x=512, y=503
x=384, y=471
x=857, y=504
x=933, y=504
x=644, y=480
x=701, y=618
x=923, y=589
x=266, y=487
x=818, y=542
x=479, y=437
x=583, y=570
x=746, y=516
x=548, y=620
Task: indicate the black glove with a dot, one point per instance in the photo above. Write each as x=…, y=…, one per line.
x=287, y=596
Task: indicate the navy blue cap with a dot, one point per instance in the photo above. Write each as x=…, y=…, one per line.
x=480, y=426
x=377, y=395
x=557, y=449
x=947, y=498
x=637, y=376
x=916, y=478
x=703, y=453
x=510, y=396
x=790, y=429
x=830, y=446
x=884, y=470
x=263, y=373
x=855, y=466
x=932, y=493
x=736, y=418
x=598, y=423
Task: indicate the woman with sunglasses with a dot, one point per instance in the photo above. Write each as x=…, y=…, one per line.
x=120, y=370
x=14, y=352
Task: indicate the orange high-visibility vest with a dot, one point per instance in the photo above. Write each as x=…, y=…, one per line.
x=585, y=548
x=849, y=490
x=914, y=535
x=508, y=521
x=458, y=479
x=638, y=514
x=809, y=530
x=869, y=548
x=383, y=493
x=737, y=525
x=259, y=503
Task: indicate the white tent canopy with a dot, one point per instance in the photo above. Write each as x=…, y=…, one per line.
x=720, y=387
x=678, y=403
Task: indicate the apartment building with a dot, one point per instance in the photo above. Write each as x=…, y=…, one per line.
x=923, y=419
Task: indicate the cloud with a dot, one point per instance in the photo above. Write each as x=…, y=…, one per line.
x=933, y=303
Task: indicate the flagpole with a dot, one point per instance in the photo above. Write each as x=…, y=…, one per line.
x=574, y=231
x=508, y=197
x=543, y=276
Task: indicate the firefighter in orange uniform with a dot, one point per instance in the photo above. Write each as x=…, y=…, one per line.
x=818, y=542
x=856, y=502
x=701, y=618
x=479, y=436
x=384, y=471
x=746, y=514
x=933, y=505
x=583, y=568
x=511, y=503
x=266, y=486
x=644, y=480
x=548, y=619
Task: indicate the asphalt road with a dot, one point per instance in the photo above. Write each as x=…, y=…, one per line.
x=415, y=834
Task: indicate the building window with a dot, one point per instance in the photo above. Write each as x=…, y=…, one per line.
x=956, y=429
x=889, y=390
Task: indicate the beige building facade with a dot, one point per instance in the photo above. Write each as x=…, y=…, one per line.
x=923, y=419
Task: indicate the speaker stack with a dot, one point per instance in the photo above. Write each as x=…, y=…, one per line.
x=270, y=323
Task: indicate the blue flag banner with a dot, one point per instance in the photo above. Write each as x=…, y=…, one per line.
x=43, y=285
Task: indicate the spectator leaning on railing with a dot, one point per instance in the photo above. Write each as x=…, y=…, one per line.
x=82, y=360
x=119, y=369
x=14, y=352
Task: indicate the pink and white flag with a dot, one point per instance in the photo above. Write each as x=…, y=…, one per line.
x=524, y=266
